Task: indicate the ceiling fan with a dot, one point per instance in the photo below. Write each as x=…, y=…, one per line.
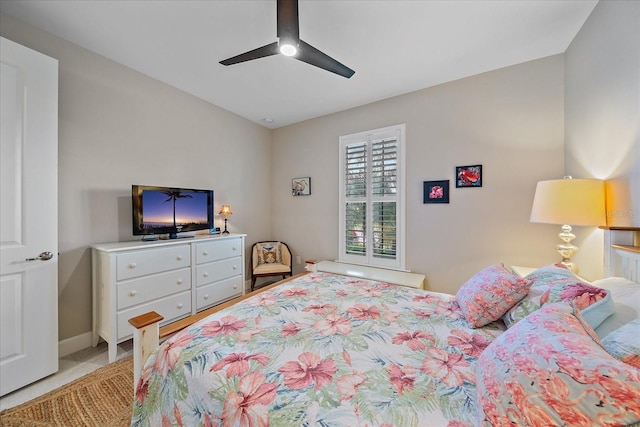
x=290, y=44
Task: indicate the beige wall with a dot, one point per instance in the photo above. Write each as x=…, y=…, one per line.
x=509, y=120
x=119, y=127
x=603, y=117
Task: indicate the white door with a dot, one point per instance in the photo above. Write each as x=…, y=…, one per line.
x=29, y=216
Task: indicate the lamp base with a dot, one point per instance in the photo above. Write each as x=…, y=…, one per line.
x=225, y=227
x=566, y=249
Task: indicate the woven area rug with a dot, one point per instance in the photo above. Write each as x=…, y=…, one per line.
x=102, y=398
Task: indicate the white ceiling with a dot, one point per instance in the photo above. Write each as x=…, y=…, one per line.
x=394, y=46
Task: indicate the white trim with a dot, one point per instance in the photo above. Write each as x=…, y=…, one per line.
x=399, y=132
x=74, y=344
x=412, y=280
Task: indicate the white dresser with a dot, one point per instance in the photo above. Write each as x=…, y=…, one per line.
x=175, y=278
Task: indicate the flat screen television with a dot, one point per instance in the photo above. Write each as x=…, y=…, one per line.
x=169, y=211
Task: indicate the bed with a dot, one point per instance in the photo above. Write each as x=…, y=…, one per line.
x=331, y=349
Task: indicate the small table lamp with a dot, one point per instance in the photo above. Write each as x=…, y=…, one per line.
x=569, y=201
x=225, y=211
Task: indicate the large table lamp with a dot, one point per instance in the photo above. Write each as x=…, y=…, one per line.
x=225, y=211
x=569, y=201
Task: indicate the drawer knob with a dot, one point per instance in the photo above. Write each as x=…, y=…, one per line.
x=235, y=286
x=206, y=297
x=205, y=253
x=133, y=293
x=235, y=267
x=205, y=274
x=179, y=281
x=132, y=265
x=179, y=257
x=233, y=248
x=180, y=305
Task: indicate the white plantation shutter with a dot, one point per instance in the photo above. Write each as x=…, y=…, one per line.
x=372, y=198
x=384, y=168
x=356, y=170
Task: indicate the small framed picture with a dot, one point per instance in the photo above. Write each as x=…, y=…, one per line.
x=301, y=186
x=469, y=176
x=436, y=191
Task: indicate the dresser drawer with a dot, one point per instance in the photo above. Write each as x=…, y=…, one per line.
x=171, y=308
x=217, y=250
x=218, y=270
x=147, y=288
x=218, y=292
x=141, y=263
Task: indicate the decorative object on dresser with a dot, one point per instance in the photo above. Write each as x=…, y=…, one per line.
x=173, y=278
x=270, y=259
x=569, y=201
x=225, y=211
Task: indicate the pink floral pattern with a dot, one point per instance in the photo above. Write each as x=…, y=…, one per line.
x=377, y=355
x=489, y=294
x=247, y=407
x=548, y=370
x=554, y=283
x=307, y=370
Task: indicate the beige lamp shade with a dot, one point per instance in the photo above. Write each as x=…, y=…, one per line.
x=225, y=210
x=570, y=201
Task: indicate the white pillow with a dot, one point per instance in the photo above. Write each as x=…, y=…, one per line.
x=626, y=299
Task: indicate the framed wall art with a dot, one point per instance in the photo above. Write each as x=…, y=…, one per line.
x=301, y=186
x=469, y=176
x=435, y=191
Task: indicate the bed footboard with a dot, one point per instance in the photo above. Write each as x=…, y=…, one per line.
x=146, y=336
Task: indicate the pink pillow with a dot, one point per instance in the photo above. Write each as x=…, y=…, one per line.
x=489, y=294
x=550, y=370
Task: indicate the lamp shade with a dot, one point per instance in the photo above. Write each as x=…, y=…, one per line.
x=569, y=201
x=225, y=210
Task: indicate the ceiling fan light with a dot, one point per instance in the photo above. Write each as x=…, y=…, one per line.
x=288, y=49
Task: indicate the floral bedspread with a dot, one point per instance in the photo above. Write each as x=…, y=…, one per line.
x=321, y=350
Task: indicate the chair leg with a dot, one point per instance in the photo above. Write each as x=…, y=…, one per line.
x=253, y=283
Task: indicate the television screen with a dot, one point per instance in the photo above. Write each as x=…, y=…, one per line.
x=165, y=210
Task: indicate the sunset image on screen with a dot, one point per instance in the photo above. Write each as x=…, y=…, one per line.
x=158, y=208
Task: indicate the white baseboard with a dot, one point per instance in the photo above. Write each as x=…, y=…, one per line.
x=73, y=344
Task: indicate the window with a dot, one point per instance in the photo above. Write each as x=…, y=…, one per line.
x=372, y=197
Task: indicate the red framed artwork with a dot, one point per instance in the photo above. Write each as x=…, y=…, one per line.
x=469, y=176
x=435, y=191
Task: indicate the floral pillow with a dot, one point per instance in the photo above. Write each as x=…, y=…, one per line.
x=269, y=253
x=624, y=343
x=595, y=304
x=555, y=283
x=549, y=369
x=489, y=294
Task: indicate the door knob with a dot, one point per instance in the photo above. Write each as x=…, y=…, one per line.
x=44, y=256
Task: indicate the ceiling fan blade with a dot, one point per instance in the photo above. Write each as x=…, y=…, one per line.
x=261, y=52
x=288, y=24
x=313, y=56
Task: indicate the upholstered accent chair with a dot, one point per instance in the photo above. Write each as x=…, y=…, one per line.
x=270, y=258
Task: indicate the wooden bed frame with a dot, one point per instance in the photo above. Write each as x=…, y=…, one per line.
x=621, y=258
